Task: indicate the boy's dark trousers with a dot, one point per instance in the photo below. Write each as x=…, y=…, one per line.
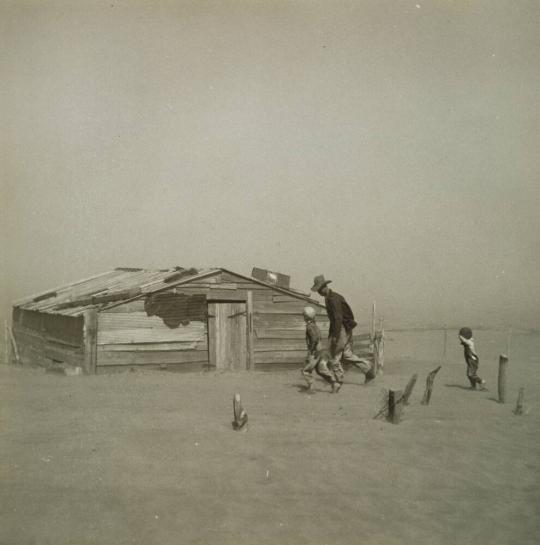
x=472, y=371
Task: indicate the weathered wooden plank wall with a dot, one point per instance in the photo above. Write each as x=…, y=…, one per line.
x=48, y=339
x=128, y=337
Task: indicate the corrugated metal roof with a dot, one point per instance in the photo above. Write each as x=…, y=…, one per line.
x=123, y=284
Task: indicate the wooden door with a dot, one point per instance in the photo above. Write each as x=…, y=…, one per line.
x=227, y=335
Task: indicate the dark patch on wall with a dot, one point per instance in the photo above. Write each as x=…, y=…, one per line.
x=176, y=308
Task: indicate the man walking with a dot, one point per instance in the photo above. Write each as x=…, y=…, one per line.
x=340, y=335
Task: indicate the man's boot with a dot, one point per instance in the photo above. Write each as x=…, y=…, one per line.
x=370, y=375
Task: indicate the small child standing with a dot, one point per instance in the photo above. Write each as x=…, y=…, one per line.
x=314, y=359
x=471, y=357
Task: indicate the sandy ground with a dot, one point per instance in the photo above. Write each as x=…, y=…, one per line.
x=151, y=458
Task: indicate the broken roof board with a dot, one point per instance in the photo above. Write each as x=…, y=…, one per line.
x=111, y=282
x=122, y=280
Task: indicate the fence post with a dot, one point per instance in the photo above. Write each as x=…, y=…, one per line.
x=240, y=415
x=429, y=386
x=394, y=406
x=409, y=389
x=503, y=360
x=519, y=402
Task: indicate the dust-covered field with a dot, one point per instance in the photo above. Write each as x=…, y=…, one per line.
x=151, y=459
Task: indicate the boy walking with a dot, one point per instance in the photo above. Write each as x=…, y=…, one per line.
x=314, y=359
x=471, y=357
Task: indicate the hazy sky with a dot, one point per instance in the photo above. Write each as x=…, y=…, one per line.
x=392, y=146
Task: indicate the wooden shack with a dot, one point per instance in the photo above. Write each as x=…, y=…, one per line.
x=175, y=319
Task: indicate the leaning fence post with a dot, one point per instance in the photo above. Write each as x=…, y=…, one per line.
x=519, y=402
x=409, y=389
x=503, y=360
x=429, y=386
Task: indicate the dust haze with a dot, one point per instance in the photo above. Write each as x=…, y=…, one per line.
x=391, y=146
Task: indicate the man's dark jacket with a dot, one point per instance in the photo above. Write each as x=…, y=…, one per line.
x=339, y=313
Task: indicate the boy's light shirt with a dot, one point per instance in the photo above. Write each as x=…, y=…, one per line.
x=470, y=344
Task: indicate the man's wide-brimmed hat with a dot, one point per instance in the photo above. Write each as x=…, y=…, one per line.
x=319, y=282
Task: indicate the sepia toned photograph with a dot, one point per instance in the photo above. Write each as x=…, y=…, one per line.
x=270, y=272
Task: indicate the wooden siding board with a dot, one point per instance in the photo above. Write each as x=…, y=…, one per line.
x=291, y=356
x=158, y=347
x=225, y=286
x=278, y=345
x=148, y=347
x=130, y=357
x=129, y=336
x=261, y=295
x=169, y=367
